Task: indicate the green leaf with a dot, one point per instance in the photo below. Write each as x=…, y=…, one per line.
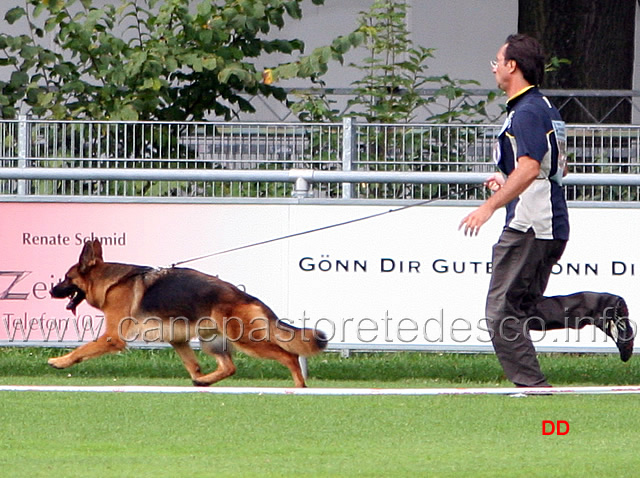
x=205, y=36
x=18, y=79
x=289, y=70
x=28, y=52
x=275, y=17
x=234, y=70
x=9, y=112
x=126, y=113
x=293, y=9
x=204, y=9
x=197, y=65
x=45, y=99
x=40, y=7
x=14, y=14
x=209, y=63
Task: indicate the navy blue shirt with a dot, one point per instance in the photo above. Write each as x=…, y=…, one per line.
x=534, y=128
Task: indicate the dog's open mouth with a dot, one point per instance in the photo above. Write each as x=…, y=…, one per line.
x=75, y=294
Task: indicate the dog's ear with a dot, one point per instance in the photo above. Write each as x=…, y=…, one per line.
x=90, y=256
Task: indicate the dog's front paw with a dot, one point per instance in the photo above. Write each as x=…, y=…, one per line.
x=59, y=362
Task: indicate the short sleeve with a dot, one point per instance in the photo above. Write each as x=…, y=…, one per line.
x=530, y=132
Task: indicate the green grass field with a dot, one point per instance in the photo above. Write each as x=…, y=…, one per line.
x=109, y=434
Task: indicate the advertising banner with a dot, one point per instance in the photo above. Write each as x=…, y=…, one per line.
x=403, y=280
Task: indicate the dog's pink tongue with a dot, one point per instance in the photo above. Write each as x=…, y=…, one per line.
x=72, y=306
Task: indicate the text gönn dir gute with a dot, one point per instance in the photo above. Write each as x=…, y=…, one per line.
x=326, y=264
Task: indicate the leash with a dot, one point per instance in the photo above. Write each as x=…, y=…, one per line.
x=330, y=226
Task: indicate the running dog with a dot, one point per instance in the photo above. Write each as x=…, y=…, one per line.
x=175, y=305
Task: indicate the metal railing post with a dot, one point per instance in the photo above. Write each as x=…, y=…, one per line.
x=23, y=137
x=348, y=152
x=302, y=184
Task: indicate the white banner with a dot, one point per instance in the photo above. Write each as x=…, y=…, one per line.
x=409, y=279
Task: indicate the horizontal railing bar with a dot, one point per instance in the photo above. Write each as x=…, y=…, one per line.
x=292, y=175
x=122, y=174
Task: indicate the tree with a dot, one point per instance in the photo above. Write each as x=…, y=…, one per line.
x=598, y=39
x=177, y=64
x=393, y=70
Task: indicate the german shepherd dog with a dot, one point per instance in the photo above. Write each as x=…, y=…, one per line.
x=175, y=305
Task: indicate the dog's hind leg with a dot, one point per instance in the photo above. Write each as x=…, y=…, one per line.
x=225, y=369
x=268, y=350
x=222, y=354
x=188, y=357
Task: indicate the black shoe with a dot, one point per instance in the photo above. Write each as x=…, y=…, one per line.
x=618, y=327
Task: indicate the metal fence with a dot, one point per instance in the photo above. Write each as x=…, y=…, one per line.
x=348, y=160
x=592, y=106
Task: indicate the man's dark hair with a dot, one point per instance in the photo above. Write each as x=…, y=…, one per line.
x=528, y=55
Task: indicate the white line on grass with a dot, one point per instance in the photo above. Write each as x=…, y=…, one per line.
x=325, y=391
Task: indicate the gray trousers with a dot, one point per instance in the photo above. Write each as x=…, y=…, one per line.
x=515, y=303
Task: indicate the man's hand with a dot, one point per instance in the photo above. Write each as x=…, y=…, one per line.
x=474, y=221
x=495, y=182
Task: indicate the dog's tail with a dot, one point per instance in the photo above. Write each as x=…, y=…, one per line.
x=304, y=342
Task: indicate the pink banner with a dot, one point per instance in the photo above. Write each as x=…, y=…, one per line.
x=40, y=241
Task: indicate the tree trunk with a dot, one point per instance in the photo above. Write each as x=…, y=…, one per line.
x=597, y=36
